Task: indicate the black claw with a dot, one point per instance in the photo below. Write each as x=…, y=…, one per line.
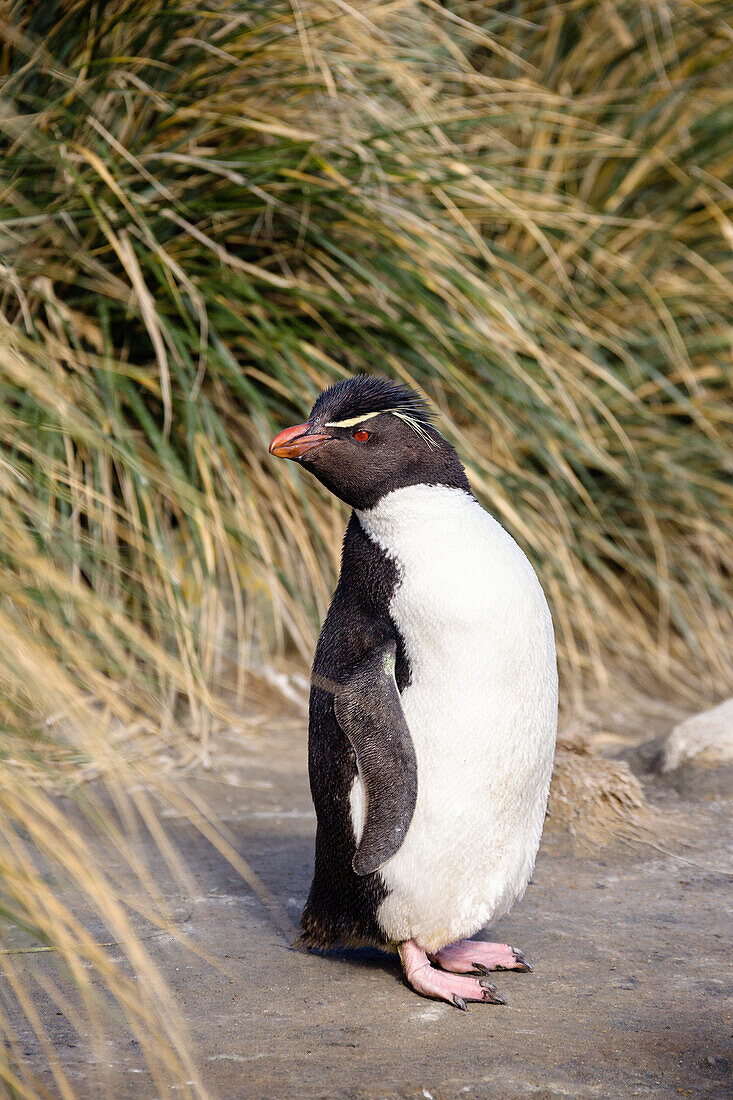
x=491, y=994
x=481, y=968
x=460, y=1003
x=522, y=966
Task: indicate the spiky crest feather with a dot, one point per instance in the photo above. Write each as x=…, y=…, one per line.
x=368, y=393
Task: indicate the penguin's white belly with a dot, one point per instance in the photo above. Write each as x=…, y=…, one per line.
x=481, y=707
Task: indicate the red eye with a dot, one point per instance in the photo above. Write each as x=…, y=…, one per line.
x=361, y=436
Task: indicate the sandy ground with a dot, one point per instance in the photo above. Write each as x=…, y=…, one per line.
x=631, y=993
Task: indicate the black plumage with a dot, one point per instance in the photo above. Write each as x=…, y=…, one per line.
x=341, y=907
x=403, y=447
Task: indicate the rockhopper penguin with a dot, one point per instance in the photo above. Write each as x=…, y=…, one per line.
x=433, y=706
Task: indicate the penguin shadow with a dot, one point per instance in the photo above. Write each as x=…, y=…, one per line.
x=364, y=959
x=284, y=864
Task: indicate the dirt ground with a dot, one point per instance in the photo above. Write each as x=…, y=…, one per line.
x=631, y=993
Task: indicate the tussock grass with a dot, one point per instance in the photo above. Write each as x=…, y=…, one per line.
x=596, y=800
x=207, y=214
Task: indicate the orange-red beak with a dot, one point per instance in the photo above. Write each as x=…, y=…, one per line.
x=295, y=442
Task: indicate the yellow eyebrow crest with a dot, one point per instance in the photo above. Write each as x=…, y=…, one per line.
x=355, y=420
x=415, y=424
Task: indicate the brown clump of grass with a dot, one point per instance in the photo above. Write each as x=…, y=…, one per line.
x=596, y=800
x=208, y=214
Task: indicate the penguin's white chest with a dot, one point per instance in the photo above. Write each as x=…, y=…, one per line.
x=481, y=707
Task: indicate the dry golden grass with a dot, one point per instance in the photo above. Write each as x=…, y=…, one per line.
x=209, y=213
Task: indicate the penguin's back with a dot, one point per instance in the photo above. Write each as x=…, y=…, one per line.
x=481, y=707
x=342, y=906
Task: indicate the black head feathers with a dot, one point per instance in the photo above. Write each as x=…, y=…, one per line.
x=366, y=395
x=368, y=436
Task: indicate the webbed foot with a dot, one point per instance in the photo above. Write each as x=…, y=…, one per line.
x=428, y=981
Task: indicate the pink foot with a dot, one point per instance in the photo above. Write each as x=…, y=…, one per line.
x=425, y=979
x=466, y=956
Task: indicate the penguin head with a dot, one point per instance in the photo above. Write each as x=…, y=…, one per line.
x=367, y=436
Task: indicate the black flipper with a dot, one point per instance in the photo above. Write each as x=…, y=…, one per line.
x=369, y=711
